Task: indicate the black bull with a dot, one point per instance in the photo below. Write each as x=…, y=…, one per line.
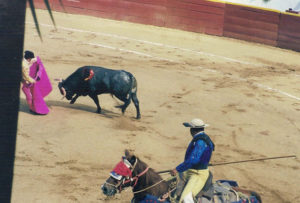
x=92, y=81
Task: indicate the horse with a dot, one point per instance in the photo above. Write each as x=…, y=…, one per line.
x=148, y=186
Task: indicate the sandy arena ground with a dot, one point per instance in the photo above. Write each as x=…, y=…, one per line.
x=248, y=93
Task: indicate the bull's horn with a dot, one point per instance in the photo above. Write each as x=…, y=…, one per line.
x=64, y=91
x=58, y=79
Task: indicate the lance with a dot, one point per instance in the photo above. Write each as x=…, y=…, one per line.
x=250, y=160
x=243, y=161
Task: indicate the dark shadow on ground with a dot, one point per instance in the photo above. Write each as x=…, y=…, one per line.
x=23, y=106
x=106, y=113
x=83, y=107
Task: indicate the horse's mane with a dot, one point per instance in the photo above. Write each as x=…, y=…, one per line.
x=147, y=180
x=150, y=175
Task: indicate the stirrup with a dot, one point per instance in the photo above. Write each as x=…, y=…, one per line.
x=164, y=197
x=174, y=199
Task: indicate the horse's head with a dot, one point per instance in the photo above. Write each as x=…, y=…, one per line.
x=121, y=176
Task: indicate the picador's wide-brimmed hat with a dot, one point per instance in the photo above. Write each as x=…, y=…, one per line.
x=196, y=123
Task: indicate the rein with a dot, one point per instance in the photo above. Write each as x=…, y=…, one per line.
x=136, y=178
x=142, y=190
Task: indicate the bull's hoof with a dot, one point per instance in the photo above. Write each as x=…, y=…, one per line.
x=98, y=111
x=138, y=117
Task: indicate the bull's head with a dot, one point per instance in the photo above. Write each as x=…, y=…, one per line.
x=65, y=91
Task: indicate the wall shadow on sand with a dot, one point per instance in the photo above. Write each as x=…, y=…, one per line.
x=23, y=106
x=83, y=107
x=106, y=113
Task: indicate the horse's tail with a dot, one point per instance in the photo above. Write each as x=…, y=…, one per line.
x=256, y=195
x=248, y=193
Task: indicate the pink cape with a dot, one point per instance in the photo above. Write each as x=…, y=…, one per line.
x=36, y=92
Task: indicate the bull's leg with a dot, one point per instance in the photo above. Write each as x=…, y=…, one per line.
x=96, y=100
x=126, y=101
x=136, y=104
x=125, y=105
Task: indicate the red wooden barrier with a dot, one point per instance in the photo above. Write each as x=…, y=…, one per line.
x=289, y=32
x=215, y=18
x=195, y=15
x=251, y=24
x=38, y=4
x=70, y=6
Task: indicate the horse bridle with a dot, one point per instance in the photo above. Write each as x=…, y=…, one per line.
x=130, y=180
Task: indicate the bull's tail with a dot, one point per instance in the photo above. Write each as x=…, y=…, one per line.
x=133, y=96
x=133, y=85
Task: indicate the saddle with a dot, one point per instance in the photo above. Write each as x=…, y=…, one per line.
x=207, y=190
x=221, y=191
x=225, y=191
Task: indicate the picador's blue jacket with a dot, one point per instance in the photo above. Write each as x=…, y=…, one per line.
x=198, y=153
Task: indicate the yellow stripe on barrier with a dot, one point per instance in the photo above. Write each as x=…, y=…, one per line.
x=244, y=5
x=256, y=7
x=291, y=14
x=218, y=1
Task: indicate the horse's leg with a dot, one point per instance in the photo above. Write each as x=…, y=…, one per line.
x=96, y=100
